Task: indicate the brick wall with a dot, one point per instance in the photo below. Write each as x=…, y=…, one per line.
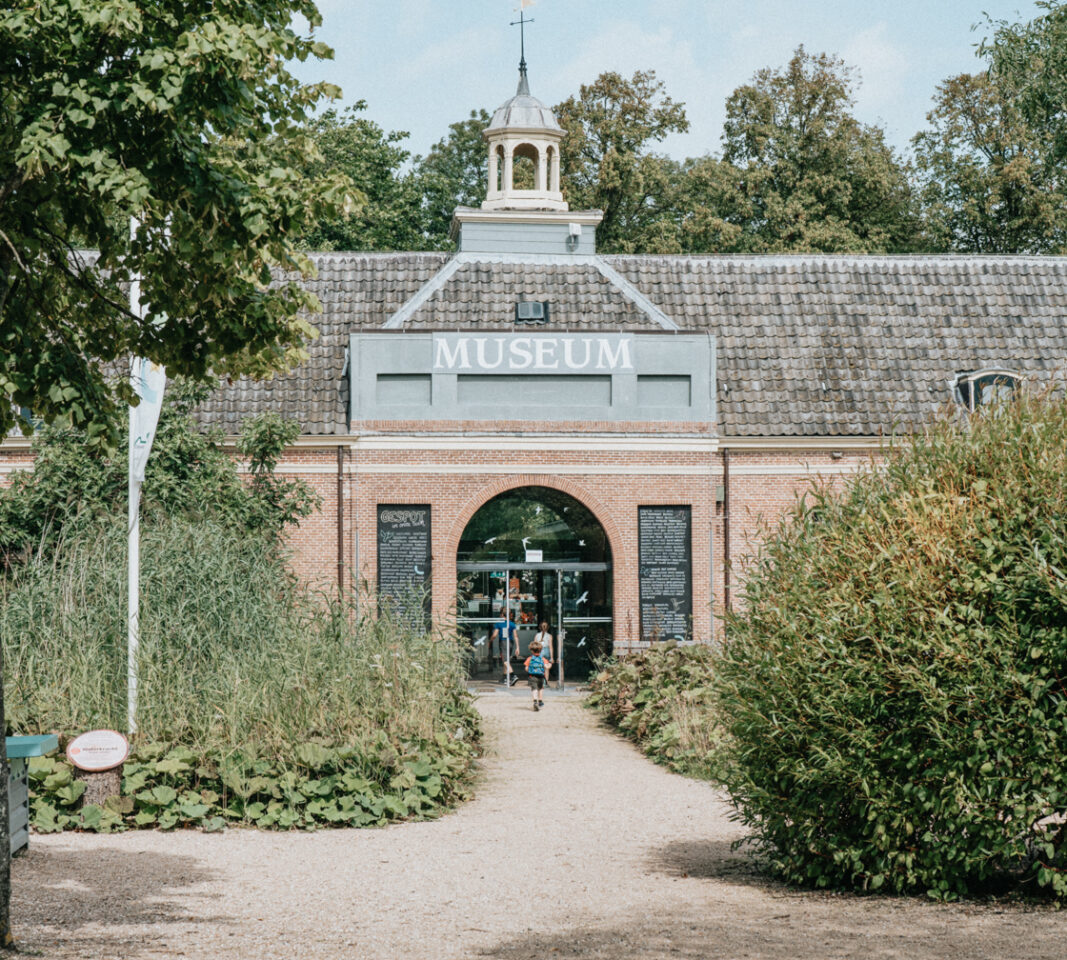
x=459, y=475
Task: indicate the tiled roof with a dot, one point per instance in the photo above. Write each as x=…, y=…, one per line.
x=855, y=346
x=483, y=295
x=807, y=345
x=358, y=291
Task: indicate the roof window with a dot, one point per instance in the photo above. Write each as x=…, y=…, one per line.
x=531, y=311
x=978, y=388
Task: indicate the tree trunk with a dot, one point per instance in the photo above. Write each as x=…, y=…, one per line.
x=99, y=787
x=6, y=940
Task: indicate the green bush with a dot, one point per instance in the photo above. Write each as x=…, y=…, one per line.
x=77, y=483
x=661, y=700
x=893, y=693
x=274, y=706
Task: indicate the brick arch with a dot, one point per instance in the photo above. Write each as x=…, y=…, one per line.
x=483, y=496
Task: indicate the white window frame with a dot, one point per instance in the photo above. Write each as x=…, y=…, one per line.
x=969, y=400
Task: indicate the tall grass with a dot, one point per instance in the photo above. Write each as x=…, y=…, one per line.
x=235, y=654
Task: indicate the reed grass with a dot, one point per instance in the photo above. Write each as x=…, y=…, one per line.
x=235, y=654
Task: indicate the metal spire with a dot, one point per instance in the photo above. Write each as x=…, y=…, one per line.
x=524, y=83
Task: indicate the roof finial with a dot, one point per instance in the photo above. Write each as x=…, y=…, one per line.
x=524, y=83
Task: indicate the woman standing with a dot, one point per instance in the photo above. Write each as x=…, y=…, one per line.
x=547, y=651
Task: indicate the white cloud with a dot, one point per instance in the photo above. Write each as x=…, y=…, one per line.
x=882, y=65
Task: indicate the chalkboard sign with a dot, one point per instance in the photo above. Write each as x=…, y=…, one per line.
x=404, y=551
x=665, y=558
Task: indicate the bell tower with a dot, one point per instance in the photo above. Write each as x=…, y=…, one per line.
x=524, y=212
x=523, y=127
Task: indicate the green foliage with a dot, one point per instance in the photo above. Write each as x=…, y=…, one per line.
x=892, y=693
x=661, y=700
x=454, y=173
x=799, y=173
x=1030, y=60
x=259, y=702
x=368, y=784
x=989, y=180
x=389, y=215
x=606, y=161
x=189, y=474
x=186, y=118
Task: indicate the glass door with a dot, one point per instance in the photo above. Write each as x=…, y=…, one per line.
x=481, y=602
x=585, y=620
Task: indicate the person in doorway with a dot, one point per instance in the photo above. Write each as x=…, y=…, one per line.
x=505, y=633
x=544, y=638
x=535, y=672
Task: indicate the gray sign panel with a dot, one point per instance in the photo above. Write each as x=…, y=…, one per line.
x=404, y=551
x=665, y=560
x=539, y=376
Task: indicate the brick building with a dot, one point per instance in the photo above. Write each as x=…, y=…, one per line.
x=594, y=440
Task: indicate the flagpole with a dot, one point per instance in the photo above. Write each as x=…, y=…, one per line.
x=148, y=380
x=133, y=542
x=133, y=604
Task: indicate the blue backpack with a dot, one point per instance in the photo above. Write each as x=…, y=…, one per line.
x=537, y=666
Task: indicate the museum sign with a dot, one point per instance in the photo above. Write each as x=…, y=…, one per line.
x=538, y=353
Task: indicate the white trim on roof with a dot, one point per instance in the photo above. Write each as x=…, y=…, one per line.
x=427, y=290
x=634, y=295
x=616, y=279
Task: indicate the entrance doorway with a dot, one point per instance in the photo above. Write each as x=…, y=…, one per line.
x=535, y=555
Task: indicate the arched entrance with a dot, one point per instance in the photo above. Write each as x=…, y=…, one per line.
x=535, y=554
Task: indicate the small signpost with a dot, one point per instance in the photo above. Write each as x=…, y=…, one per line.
x=98, y=750
x=98, y=756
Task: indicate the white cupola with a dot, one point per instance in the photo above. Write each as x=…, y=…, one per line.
x=524, y=127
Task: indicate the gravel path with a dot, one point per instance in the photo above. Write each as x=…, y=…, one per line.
x=629, y=861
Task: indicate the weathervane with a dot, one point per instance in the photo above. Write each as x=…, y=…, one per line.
x=521, y=24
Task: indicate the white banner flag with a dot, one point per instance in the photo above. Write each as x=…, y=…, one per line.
x=148, y=380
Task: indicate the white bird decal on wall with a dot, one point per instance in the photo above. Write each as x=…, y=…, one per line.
x=490, y=540
x=525, y=542
x=581, y=643
x=582, y=599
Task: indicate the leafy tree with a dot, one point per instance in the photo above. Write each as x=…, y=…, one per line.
x=989, y=183
x=388, y=215
x=712, y=211
x=1030, y=60
x=807, y=176
x=183, y=116
x=606, y=162
x=189, y=474
x=454, y=173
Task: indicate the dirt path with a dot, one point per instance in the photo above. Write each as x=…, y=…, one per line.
x=629, y=861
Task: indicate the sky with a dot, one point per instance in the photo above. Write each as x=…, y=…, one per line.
x=423, y=64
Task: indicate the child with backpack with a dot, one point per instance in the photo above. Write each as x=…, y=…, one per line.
x=535, y=672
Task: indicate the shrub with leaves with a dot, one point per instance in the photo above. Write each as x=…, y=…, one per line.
x=660, y=699
x=75, y=481
x=893, y=693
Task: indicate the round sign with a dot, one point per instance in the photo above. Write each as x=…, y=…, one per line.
x=98, y=750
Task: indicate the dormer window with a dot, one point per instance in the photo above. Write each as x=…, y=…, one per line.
x=531, y=311
x=977, y=388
